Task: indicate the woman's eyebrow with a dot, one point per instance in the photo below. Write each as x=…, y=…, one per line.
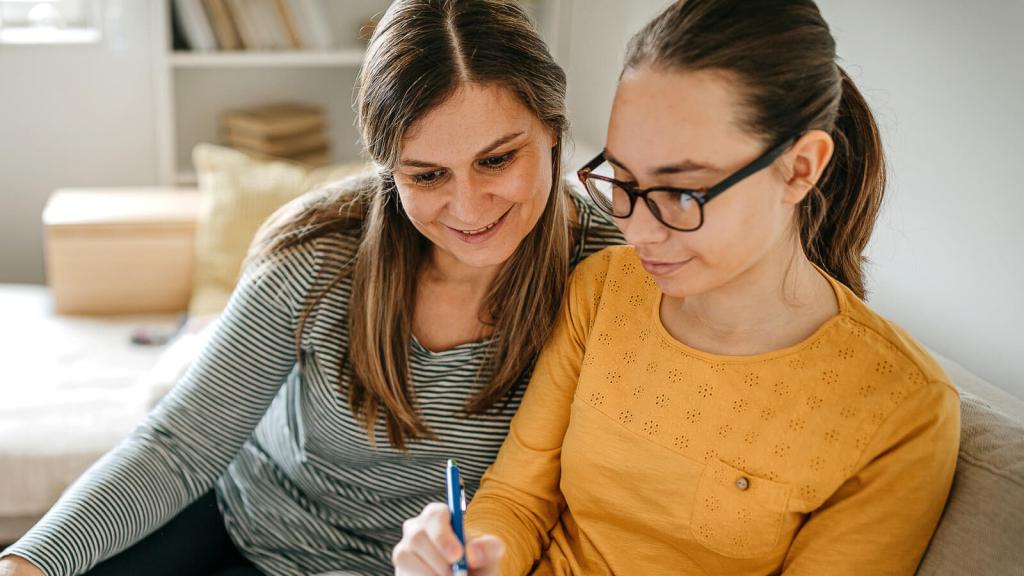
x=487, y=149
x=500, y=141
x=613, y=160
x=676, y=168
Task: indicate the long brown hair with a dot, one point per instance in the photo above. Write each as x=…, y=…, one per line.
x=784, y=57
x=420, y=53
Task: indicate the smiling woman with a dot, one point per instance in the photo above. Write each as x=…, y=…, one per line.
x=472, y=194
x=383, y=325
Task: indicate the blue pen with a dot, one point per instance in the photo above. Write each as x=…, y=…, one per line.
x=456, y=508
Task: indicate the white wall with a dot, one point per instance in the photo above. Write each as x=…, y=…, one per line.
x=599, y=30
x=70, y=116
x=946, y=79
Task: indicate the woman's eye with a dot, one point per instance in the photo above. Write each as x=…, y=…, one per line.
x=495, y=162
x=428, y=178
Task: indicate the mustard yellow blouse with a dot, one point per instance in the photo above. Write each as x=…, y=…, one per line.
x=633, y=453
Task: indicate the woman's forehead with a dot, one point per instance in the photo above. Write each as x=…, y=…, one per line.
x=662, y=116
x=469, y=121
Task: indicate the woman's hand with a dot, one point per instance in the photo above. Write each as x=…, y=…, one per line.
x=18, y=566
x=429, y=547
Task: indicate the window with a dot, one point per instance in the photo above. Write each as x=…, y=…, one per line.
x=50, y=21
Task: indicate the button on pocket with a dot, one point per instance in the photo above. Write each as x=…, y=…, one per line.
x=737, y=514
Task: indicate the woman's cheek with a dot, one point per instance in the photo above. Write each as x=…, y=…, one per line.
x=418, y=206
x=530, y=178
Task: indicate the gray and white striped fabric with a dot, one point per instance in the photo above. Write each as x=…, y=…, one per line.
x=301, y=488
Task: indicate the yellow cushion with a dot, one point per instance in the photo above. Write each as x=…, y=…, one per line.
x=238, y=193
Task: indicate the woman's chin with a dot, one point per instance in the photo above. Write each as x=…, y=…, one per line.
x=676, y=287
x=487, y=258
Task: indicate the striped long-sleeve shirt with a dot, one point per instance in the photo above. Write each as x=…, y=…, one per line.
x=300, y=487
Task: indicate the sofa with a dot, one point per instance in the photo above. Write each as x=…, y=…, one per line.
x=126, y=268
x=95, y=385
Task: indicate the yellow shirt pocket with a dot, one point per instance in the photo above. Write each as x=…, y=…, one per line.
x=737, y=514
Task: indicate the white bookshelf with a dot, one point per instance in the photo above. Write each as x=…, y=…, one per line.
x=193, y=88
x=241, y=59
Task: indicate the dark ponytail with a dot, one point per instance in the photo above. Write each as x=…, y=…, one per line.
x=839, y=214
x=783, y=55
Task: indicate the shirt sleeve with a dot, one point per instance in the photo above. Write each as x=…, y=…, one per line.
x=519, y=498
x=189, y=439
x=881, y=519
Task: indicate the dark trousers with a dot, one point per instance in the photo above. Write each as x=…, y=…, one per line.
x=193, y=543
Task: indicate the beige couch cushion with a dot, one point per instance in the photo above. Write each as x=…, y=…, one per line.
x=982, y=528
x=239, y=192
x=69, y=393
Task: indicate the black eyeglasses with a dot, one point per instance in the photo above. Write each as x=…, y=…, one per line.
x=677, y=208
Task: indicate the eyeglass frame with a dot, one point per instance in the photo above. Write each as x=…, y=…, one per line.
x=701, y=196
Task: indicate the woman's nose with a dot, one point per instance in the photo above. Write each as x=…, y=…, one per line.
x=642, y=227
x=468, y=202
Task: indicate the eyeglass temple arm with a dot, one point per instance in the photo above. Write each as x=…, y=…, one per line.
x=589, y=166
x=762, y=162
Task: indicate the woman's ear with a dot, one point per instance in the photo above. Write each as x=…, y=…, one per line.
x=805, y=162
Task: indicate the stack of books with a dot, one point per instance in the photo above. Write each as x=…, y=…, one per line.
x=296, y=132
x=208, y=25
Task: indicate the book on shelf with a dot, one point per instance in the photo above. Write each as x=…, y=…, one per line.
x=275, y=120
x=261, y=25
x=178, y=40
x=224, y=27
x=293, y=131
x=285, y=147
x=238, y=13
x=276, y=25
x=195, y=24
x=311, y=23
x=263, y=33
x=289, y=23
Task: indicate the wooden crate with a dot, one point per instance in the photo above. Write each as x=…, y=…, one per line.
x=120, y=250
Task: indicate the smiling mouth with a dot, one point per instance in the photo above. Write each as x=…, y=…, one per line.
x=663, y=268
x=484, y=228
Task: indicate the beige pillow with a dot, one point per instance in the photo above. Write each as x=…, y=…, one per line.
x=238, y=193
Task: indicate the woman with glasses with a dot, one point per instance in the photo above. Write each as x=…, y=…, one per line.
x=383, y=326
x=716, y=397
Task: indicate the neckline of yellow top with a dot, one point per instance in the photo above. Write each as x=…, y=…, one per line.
x=840, y=292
